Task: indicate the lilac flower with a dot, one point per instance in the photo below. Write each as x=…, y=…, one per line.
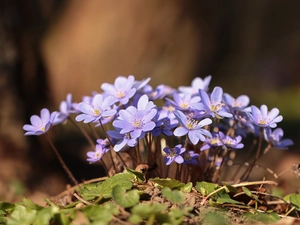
x=213, y=141
x=94, y=156
x=141, y=84
x=86, y=99
x=264, y=118
x=161, y=91
x=167, y=111
x=191, y=127
x=164, y=126
x=275, y=138
x=103, y=142
x=137, y=121
x=173, y=154
x=122, y=90
x=97, y=109
x=121, y=140
x=190, y=157
x=231, y=142
x=40, y=125
x=238, y=103
x=65, y=110
x=213, y=105
x=184, y=101
x=197, y=84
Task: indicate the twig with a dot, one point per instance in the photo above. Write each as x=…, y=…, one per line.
x=238, y=185
x=81, y=199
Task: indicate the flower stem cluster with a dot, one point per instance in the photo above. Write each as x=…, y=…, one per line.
x=189, y=127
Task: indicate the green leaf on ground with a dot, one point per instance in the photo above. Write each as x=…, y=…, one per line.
x=147, y=211
x=140, y=177
x=100, y=213
x=295, y=200
x=167, y=182
x=125, y=199
x=187, y=187
x=105, y=188
x=205, y=188
x=21, y=215
x=174, y=196
x=262, y=217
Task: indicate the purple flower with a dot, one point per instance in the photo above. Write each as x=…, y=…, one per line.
x=94, y=156
x=197, y=84
x=231, y=142
x=163, y=126
x=122, y=90
x=184, y=101
x=161, y=91
x=213, y=141
x=40, y=125
x=191, y=127
x=97, y=109
x=103, y=142
x=213, y=105
x=167, y=111
x=275, y=138
x=137, y=121
x=190, y=157
x=65, y=110
x=141, y=84
x=173, y=154
x=238, y=103
x=121, y=140
x=263, y=118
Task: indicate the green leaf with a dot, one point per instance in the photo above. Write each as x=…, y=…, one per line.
x=125, y=199
x=106, y=187
x=167, y=182
x=263, y=217
x=214, y=218
x=100, y=213
x=176, y=216
x=247, y=191
x=139, y=176
x=21, y=216
x=43, y=216
x=287, y=198
x=6, y=207
x=230, y=188
x=295, y=200
x=150, y=212
x=144, y=210
x=205, y=188
x=222, y=200
x=175, y=196
x=187, y=187
x=136, y=219
x=29, y=204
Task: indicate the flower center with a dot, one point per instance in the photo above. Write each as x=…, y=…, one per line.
x=172, y=153
x=236, y=104
x=184, y=105
x=98, y=155
x=120, y=94
x=97, y=112
x=187, y=157
x=137, y=123
x=191, y=124
x=262, y=121
x=215, y=108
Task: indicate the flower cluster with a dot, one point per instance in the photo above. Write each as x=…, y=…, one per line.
x=165, y=126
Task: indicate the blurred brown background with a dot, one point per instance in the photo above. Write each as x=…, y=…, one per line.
x=51, y=48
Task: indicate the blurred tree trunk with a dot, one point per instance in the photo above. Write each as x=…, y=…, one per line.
x=23, y=88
